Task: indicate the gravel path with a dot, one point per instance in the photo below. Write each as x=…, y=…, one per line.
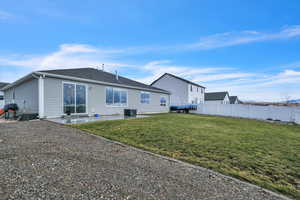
x=44, y=160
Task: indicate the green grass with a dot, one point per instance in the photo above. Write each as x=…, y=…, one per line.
x=261, y=153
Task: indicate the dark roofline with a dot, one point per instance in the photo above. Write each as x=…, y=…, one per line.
x=3, y=84
x=49, y=74
x=217, y=97
x=182, y=79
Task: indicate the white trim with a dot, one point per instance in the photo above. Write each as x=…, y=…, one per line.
x=116, y=106
x=41, y=88
x=86, y=97
x=141, y=97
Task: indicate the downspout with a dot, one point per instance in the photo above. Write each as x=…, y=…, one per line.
x=41, y=100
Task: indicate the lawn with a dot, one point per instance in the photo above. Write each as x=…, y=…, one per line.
x=265, y=154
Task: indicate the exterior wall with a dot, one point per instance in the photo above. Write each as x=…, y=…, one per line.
x=236, y=102
x=1, y=101
x=178, y=89
x=226, y=100
x=26, y=96
x=195, y=96
x=96, y=100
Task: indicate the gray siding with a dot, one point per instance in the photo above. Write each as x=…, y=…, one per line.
x=1, y=101
x=96, y=100
x=178, y=89
x=26, y=96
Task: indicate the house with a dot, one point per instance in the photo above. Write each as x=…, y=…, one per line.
x=2, y=94
x=234, y=100
x=182, y=91
x=83, y=91
x=217, y=98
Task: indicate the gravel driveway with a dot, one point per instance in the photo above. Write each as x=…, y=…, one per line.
x=44, y=160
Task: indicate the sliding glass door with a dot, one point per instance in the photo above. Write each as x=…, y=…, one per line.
x=74, y=98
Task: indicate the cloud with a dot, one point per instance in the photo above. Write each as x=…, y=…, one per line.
x=247, y=85
x=195, y=73
x=243, y=37
x=67, y=56
x=4, y=16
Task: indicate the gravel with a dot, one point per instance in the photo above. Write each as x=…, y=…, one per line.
x=45, y=160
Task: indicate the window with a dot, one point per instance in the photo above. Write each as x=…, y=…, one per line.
x=145, y=97
x=74, y=98
x=163, y=101
x=191, y=88
x=116, y=97
x=1, y=97
x=197, y=89
x=202, y=90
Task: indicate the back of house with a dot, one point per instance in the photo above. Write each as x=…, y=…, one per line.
x=83, y=91
x=182, y=91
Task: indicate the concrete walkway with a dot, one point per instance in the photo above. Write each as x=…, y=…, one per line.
x=45, y=160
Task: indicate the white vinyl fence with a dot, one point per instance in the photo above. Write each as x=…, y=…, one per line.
x=282, y=113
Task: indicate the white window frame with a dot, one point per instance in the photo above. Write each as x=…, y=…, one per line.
x=143, y=92
x=165, y=99
x=113, y=104
x=86, y=98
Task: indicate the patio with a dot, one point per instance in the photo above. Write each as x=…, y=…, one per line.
x=86, y=119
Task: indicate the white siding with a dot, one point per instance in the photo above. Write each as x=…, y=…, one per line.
x=26, y=96
x=96, y=100
x=178, y=89
x=195, y=94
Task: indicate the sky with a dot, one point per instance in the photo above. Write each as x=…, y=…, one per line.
x=250, y=48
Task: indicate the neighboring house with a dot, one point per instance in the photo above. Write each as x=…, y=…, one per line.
x=83, y=91
x=182, y=91
x=217, y=98
x=2, y=94
x=234, y=100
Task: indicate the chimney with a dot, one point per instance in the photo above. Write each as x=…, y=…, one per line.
x=102, y=67
x=117, y=76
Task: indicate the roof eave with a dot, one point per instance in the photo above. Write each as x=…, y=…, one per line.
x=99, y=82
x=17, y=82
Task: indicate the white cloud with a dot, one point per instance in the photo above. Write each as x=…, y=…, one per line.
x=4, y=16
x=197, y=74
x=237, y=38
x=67, y=56
x=247, y=85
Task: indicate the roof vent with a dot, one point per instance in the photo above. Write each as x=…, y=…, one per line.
x=117, y=76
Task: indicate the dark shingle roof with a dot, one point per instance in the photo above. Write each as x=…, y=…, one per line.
x=2, y=85
x=232, y=99
x=182, y=79
x=99, y=75
x=214, y=96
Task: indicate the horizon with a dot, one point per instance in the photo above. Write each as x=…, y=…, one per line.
x=249, y=48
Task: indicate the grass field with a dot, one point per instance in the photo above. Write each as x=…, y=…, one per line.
x=261, y=153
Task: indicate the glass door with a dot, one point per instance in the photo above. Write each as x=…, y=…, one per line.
x=74, y=98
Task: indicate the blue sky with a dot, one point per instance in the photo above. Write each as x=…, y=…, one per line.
x=249, y=48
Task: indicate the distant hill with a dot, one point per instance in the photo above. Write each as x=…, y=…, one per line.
x=294, y=101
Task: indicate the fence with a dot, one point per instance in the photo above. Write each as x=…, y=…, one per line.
x=282, y=113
